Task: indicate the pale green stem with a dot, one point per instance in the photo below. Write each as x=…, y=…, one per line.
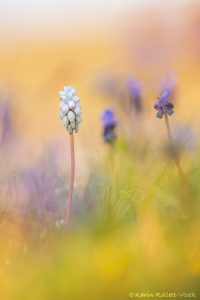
x=171, y=141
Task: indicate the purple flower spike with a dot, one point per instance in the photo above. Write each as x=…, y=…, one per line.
x=109, y=125
x=163, y=105
x=6, y=122
x=108, y=118
x=134, y=90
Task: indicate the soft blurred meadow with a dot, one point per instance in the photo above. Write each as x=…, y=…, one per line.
x=135, y=227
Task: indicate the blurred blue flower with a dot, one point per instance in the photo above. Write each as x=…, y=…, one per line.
x=134, y=90
x=163, y=105
x=109, y=126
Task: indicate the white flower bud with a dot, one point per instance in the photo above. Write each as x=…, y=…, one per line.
x=71, y=104
x=69, y=91
x=64, y=99
x=71, y=116
x=61, y=104
x=77, y=110
x=76, y=99
x=65, y=108
x=65, y=121
x=73, y=125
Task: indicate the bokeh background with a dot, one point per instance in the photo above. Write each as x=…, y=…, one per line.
x=136, y=223
x=48, y=44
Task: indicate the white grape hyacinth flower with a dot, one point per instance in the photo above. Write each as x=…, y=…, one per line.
x=70, y=110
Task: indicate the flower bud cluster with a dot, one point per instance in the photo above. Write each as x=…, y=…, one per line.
x=164, y=106
x=70, y=110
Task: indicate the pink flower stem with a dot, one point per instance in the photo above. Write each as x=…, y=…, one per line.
x=71, y=183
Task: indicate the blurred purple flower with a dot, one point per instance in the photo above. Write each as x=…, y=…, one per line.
x=169, y=82
x=38, y=192
x=109, y=126
x=6, y=129
x=163, y=105
x=134, y=90
x=108, y=118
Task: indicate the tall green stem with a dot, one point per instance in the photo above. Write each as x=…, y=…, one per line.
x=171, y=141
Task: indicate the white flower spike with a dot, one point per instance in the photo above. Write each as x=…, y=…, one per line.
x=70, y=110
x=71, y=116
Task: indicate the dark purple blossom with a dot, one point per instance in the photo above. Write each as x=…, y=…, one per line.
x=109, y=126
x=163, y=105
x=134, y=90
